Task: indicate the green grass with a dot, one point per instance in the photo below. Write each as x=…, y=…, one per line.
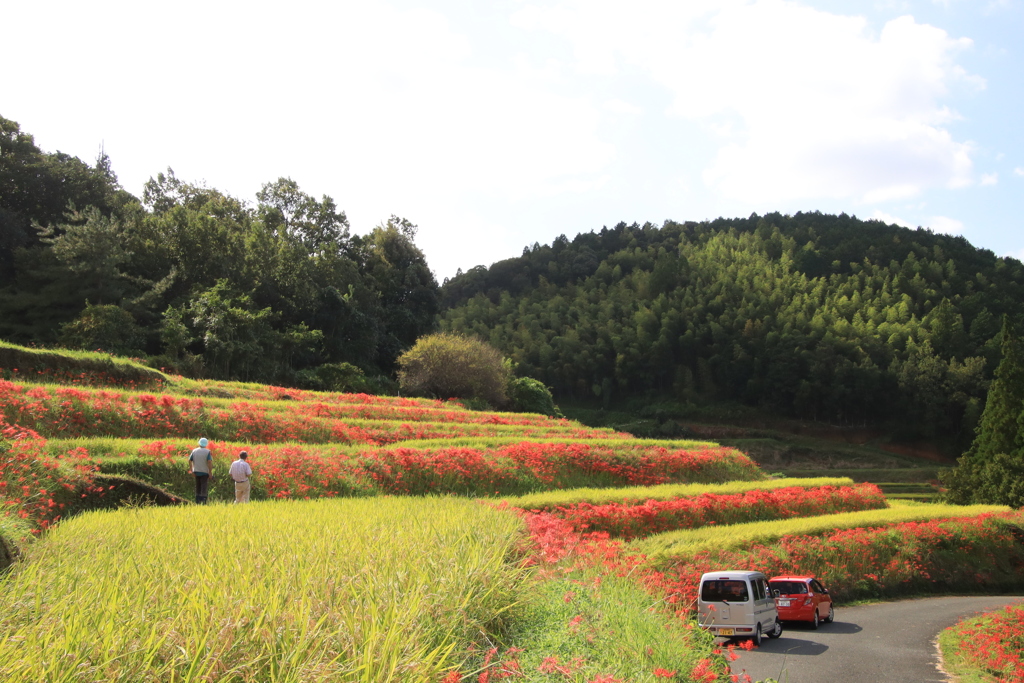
x=15, y=533
x=687, y=542
x=872, y=475
x=610, y=626
x=638, y=494
x=41, y=365
x=391, y=589
x=959, y=667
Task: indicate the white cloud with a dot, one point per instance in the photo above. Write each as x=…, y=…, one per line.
x=989, y=179
x=944, y=224
x=1019, y=171
x=617, y=106
x=825, y=109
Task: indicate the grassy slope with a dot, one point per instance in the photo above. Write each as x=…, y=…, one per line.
x=49, y=364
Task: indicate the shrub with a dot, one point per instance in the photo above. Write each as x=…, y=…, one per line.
x=109, y=327
x=999, y=478
x=449, y=365
x=528, y=395
x=334, y=377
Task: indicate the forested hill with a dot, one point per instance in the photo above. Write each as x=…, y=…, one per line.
x=815, y=316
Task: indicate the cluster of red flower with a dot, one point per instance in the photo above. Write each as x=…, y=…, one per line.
x=35, y=486
x=74, y=412
x=655, y=516
x=509, y=469
x=994, y=643
x=969, y=553
x=419, y=413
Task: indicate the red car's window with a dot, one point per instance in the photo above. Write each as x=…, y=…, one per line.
x=788, y=587
x=732, y=590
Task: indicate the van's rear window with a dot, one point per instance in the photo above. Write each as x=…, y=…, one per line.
x=788, y=587
x=716, y=590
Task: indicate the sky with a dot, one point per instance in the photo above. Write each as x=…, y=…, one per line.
x=495, y=125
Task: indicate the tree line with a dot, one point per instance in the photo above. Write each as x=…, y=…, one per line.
x=202, y=282
x=815, y=316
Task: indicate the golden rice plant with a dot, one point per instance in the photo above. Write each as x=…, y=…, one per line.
x=389, y=589
x=561, y=498
x=686, y=542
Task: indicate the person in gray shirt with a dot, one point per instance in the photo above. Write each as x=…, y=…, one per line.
x=200, y=464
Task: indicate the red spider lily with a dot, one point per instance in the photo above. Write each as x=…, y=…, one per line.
x=655, y=516
x=994, y=643
x=36, y=486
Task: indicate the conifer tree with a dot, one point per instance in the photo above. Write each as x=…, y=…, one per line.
x=992, y=470
x=999, y=430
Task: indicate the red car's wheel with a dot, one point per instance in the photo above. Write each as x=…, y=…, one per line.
x=831, y=614
x=816, y=621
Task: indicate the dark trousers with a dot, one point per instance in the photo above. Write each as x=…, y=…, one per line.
x=202, y=487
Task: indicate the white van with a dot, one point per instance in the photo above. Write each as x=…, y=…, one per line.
x=737, y=605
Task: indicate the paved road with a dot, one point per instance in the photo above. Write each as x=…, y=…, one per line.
x=890, y=641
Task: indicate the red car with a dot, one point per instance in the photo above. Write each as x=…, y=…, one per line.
x=802, y=598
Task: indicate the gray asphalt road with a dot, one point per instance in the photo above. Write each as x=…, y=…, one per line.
x=890, y=641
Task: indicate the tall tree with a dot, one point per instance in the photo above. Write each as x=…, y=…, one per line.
x=1000, y=430
x=317, y=225
x=408, y=291
x=992, y=470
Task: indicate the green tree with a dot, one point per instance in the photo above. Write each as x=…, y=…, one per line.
x=91, y=246
x=999, y=430
x=37, y=188
x=448, y=365
x=992, y=470
x=316, y=225
x=408, y=293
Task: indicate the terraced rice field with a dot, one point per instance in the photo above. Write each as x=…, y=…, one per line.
x=413, y=540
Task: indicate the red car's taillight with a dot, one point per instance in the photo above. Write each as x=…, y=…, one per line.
x=807, y=601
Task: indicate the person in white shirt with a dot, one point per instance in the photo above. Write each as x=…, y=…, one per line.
x=241, y=473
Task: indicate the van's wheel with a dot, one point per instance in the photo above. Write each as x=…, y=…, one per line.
x=831, y=614
x=757, y=636
x=777, y=631
x=817, y=621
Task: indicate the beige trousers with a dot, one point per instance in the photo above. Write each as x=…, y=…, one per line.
x=242, y=489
